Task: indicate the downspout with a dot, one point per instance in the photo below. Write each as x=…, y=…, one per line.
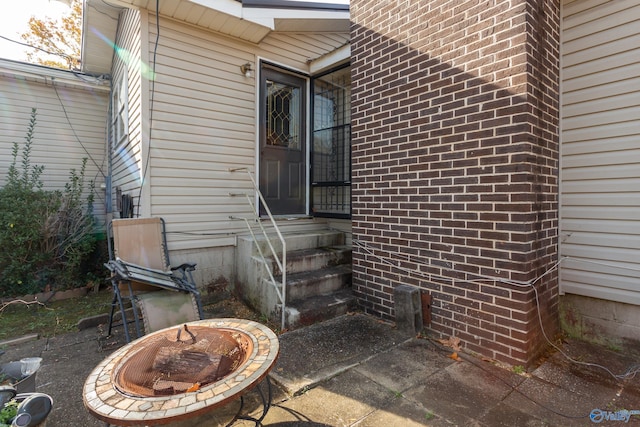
x=108, y=180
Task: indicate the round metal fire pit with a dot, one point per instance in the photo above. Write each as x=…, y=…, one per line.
x=180, y=359
x=176, y=374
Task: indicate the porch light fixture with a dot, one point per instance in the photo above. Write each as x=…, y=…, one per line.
x=247, y=69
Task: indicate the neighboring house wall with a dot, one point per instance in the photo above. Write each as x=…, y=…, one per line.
x=127, y=77
x=200, y=116
x=455, y=161
x=70, y=124
x=600, y=175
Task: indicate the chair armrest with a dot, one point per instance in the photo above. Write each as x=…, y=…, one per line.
x=116, y=268
x=187, y=266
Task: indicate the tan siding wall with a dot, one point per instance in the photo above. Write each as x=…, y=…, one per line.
x=600, y=190
x=127, y=161
x=296, y=50
x=204, y=122
x=70, y=125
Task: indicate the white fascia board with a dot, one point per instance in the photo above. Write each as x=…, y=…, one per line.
x=255, y=13
x=43, y=74
x=330, y=60
x=267, y=22
x=230, y=7
x=234, y=8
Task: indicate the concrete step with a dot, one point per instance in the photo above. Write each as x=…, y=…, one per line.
x=294, y=240
x=319, y=308
x=312, y=259
x=318, y=282
x=318, y=264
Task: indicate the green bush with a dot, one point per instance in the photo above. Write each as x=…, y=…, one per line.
x=45, y=236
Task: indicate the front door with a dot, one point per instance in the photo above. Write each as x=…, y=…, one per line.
x=283, y=142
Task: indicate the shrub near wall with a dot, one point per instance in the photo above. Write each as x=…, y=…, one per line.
x=455, y=156
x=45, y=236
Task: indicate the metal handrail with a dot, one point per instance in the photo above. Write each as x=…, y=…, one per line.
x=282, y=263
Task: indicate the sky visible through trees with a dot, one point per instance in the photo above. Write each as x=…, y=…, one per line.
x=15, y=22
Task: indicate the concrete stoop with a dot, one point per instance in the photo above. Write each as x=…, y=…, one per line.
x=315, y=309
x=318, y=277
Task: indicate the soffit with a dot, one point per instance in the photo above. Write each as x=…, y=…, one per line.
x=227, y=17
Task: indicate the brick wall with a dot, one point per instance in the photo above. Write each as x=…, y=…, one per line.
x=455, y=160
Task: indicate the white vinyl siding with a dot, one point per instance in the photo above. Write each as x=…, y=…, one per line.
x=600, y=151
x=298, y=49
x=70, y=126
x=127, y=156
x=204, y=123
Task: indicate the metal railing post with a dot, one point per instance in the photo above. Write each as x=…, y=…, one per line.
x=281, y=262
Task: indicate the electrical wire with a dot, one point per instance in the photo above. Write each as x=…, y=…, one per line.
x=193, y=233
x=480, y=278
x=66, y=115
x=152, y=97
x=472, y=361
x=62, y=55
x=118, y=8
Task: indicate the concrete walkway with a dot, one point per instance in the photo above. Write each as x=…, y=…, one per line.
x=358, y=371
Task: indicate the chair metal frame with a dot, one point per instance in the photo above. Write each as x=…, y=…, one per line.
x=130, y=274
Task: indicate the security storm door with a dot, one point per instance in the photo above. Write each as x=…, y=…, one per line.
x=283, y=142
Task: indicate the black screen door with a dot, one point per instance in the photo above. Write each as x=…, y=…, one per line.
x=283, y=142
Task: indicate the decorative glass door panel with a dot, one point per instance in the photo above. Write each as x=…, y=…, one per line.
x=283, y=141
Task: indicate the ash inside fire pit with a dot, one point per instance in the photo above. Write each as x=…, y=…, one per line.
x=180, y=360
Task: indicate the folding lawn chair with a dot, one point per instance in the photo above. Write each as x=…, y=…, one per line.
x=139, y=264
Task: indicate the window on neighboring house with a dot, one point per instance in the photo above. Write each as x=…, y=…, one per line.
x=119, y=115
x=331, y=155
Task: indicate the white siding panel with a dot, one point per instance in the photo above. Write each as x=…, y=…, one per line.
x=204, y=123
x=618, y=65
x=601, y=292
x=600, y=152
x=603, y=213
x=619, y=39
x=626, y=185
x=127, y=161
x=629, y=142
x=611, y=280
x=631, y=199
x=606, y=171
x=603, y=132
x=620, y=157
x=603, y=93
x=597, y=103
x=627, y=73
x=597, y=118
x=297, y=49
x=228, y=140
x=600, y=256
x=606, y=240
x=577, y=225
x=619, y=11
x=70, y=126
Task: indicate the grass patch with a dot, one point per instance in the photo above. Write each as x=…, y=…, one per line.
x=53, y=318
x=518, y=369
x=60, y=317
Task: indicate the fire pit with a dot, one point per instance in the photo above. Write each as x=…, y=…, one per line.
x=173, y=362
x=181, y=372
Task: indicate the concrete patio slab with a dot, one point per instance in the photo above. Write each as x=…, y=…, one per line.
x=461, y=393
x=339, y=401
x=404, y=366
x=357, y=371
x=313, y=354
